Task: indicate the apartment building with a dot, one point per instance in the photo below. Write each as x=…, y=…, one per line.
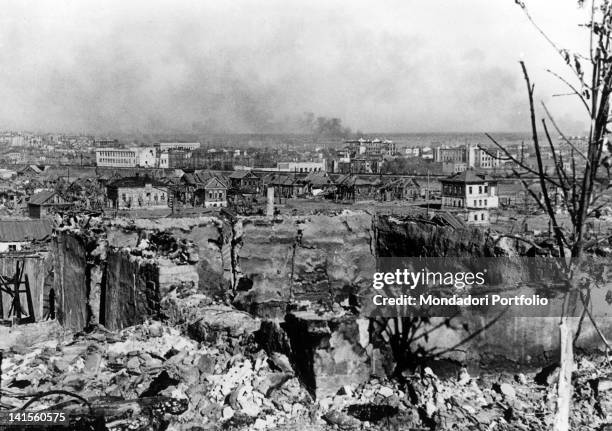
x=145, y=157
x=470, y=194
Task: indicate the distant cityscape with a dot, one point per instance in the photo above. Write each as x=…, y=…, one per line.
x=463, y=181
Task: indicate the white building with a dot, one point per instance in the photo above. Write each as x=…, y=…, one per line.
x=116, y=157
x=301, y=166
x=163, y=160
x=470, y=194
x=189, y=146
x=145, y=157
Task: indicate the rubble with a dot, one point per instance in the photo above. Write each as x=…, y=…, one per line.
x=212, y=380
x=170, y=341
x=325, y=352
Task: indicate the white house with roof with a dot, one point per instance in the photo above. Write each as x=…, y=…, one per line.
x=470, y=194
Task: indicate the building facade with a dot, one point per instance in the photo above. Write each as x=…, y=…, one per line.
x=246, y=182
x=46, y=203
x=470, y=194
x=214, y=194
x=116, y=157
x=301, y=167
x=138, y=193
x=187, y=146
x=144, y=157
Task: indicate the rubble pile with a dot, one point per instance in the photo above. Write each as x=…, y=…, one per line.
x=216, y=376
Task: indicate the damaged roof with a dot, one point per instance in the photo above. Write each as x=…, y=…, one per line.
x=25, y=230
x=468, y=176
x=41, y=197
x=137, y=181
x=242, y=174
x=445, y=218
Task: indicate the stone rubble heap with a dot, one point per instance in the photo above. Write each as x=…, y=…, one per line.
x=227, y=381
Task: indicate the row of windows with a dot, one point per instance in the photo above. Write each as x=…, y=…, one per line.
x=215, y=195
x=482, y=217
x=118, y=161
x=480, y=189
x=117, y=153
x=156, y=197
x=459, y=203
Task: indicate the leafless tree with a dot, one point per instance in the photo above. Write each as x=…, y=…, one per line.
x=582, y=176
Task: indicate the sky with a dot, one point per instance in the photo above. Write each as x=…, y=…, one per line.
x=257, y=66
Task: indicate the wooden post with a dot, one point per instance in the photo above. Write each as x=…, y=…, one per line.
x=16, y=299
x=564, y=386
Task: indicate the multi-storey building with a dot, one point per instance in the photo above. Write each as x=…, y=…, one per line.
x=145, y=157
x=372, y=147
x=116, y=157
x=188, y=146
x=138, y=192
x=450, y=155
x=301, y=166
x=469, y=156
x=470, y=194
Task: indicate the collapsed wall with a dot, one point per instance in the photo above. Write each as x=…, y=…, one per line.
x=319, y=258
x=131, y=291
x=70, y=281
x=270, y=267
x=478, y=333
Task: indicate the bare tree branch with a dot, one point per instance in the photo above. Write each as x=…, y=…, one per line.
x=534, y=132
x=574, y=90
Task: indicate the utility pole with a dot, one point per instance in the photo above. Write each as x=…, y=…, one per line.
x=427, y=196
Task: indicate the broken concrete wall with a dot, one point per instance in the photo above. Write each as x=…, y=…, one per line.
x=212, y=237
x=130, y=293
x=319, y=258
x=326, y=353
x=70, y=280
x=172, y=275
x=513, y=337
x=272, y=263
x=210, y=256
x=402, y=238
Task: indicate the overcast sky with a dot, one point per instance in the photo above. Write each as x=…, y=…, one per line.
x=255, y=66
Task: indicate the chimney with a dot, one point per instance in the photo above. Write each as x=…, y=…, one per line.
x=270, y=205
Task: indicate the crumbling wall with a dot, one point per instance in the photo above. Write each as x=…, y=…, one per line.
x=319, y=258
x=70, y=280
x=130, y=293
x=488, y=334
x=396, y=237
x=212, y=238
x=204, y=243
x=268, y=265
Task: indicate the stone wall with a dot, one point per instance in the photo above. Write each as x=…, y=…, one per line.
x=130, y=293
x=318, y=258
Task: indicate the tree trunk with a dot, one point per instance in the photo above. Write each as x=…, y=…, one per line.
x=564, y=386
